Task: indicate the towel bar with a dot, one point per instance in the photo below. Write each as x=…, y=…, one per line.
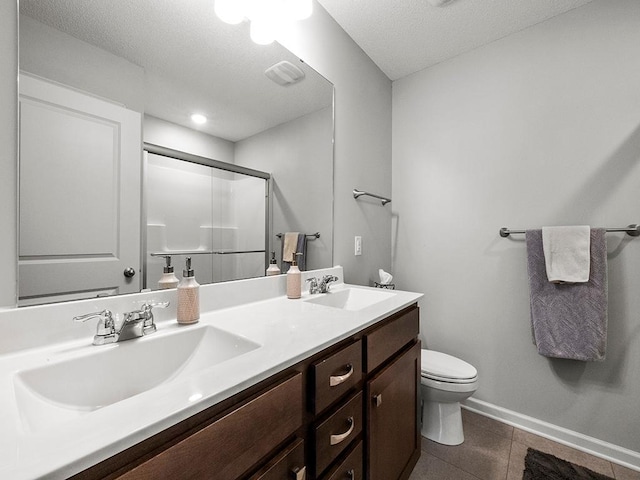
x=358, y=193
x=203, y=252
x=310, y=236
x=633, y=230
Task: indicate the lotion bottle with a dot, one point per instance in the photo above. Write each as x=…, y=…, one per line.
x=294, y=279
x=273, y=266
x=168, y=279
x=188, y=296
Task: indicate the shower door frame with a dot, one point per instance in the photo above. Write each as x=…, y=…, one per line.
x=208, y=162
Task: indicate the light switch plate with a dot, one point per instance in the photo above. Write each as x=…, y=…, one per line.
x=358, y=245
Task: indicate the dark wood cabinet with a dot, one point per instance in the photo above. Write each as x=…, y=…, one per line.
x=288, y=464
x=335, y=375
x=351, y=468
x=230, y=446
x=334, y=435
x=393, y=432
x=382, y=343
x=349, y=412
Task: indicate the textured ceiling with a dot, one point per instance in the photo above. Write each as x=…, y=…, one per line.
x=404, y=36
x=192, y=61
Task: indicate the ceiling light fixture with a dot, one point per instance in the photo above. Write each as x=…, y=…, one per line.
x=198, y=118
x=267, y=17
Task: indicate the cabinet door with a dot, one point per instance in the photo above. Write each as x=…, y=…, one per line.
x=392, y=416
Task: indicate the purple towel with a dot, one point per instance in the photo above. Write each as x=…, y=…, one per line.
x=569, y=320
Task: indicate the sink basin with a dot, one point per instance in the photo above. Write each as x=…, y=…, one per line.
x=70, y=388
x=351, y=298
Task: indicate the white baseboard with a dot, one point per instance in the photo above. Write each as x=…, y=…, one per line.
x=598, y=448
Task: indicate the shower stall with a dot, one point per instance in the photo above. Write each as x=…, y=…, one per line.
x=215, y=212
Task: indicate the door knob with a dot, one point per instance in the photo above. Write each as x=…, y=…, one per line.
x=129, y=272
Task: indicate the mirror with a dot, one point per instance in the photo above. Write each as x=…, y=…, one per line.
x=162, y=60
x=216, y=214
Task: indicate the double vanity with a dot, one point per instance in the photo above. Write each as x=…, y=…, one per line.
x=263, y=387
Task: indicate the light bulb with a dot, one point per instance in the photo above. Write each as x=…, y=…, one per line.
x=262, y=10
x=262, y=32
x=298, y=9
x=198, y=118
x=229, y=11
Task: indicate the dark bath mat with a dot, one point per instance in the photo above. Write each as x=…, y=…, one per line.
x=543, y=466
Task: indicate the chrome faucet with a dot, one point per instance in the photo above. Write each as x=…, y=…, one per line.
x=314, y=287
x=324, y=283
x=134, y=324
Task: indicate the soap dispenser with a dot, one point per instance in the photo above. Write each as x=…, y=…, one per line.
x=188, y=296
x=273, y=266
x=294, y=279
x=168, y=279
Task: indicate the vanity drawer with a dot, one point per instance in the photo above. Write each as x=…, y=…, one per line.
x=351, y=468
x=382, y=343
x=230, y=446
x=335, y=375
x=288, y=464
x=335, y=434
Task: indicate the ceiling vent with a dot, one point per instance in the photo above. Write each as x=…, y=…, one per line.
x=284, y=73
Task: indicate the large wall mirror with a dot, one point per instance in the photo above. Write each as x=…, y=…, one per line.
x=112, y=168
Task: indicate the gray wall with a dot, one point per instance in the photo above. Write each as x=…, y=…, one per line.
x=539, y=128
x=177, y=137
x=362, y=157
x=8, y=151
x=298, y=154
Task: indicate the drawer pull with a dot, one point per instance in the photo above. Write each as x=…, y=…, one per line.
x=377, y=400
x=336, y=439
x=335, y=380
x=352, y=474
x=299, y=473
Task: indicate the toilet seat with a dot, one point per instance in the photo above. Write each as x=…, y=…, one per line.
x=446, y=368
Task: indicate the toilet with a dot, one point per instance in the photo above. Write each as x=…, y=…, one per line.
x=445, y=382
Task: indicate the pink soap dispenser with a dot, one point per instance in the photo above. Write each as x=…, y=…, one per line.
x=188, y=296
x=294, y=279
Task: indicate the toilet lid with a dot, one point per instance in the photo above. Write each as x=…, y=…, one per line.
x=441, y=366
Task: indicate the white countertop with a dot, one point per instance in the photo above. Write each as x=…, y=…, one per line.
x=288, y=331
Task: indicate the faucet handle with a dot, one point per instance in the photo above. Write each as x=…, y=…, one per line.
x=153, y=304
x=106, y=328
x=313, y=285
x=326, y=280
x=149, y=325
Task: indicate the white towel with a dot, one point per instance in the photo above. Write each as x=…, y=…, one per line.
x=567, y=254
x=290, y=246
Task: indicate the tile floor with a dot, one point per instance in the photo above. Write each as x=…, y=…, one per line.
x=495, y=451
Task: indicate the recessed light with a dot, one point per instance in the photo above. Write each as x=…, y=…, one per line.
x=198, y=118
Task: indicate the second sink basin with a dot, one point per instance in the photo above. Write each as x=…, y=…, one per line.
x=351, y=298
x=109, y=374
